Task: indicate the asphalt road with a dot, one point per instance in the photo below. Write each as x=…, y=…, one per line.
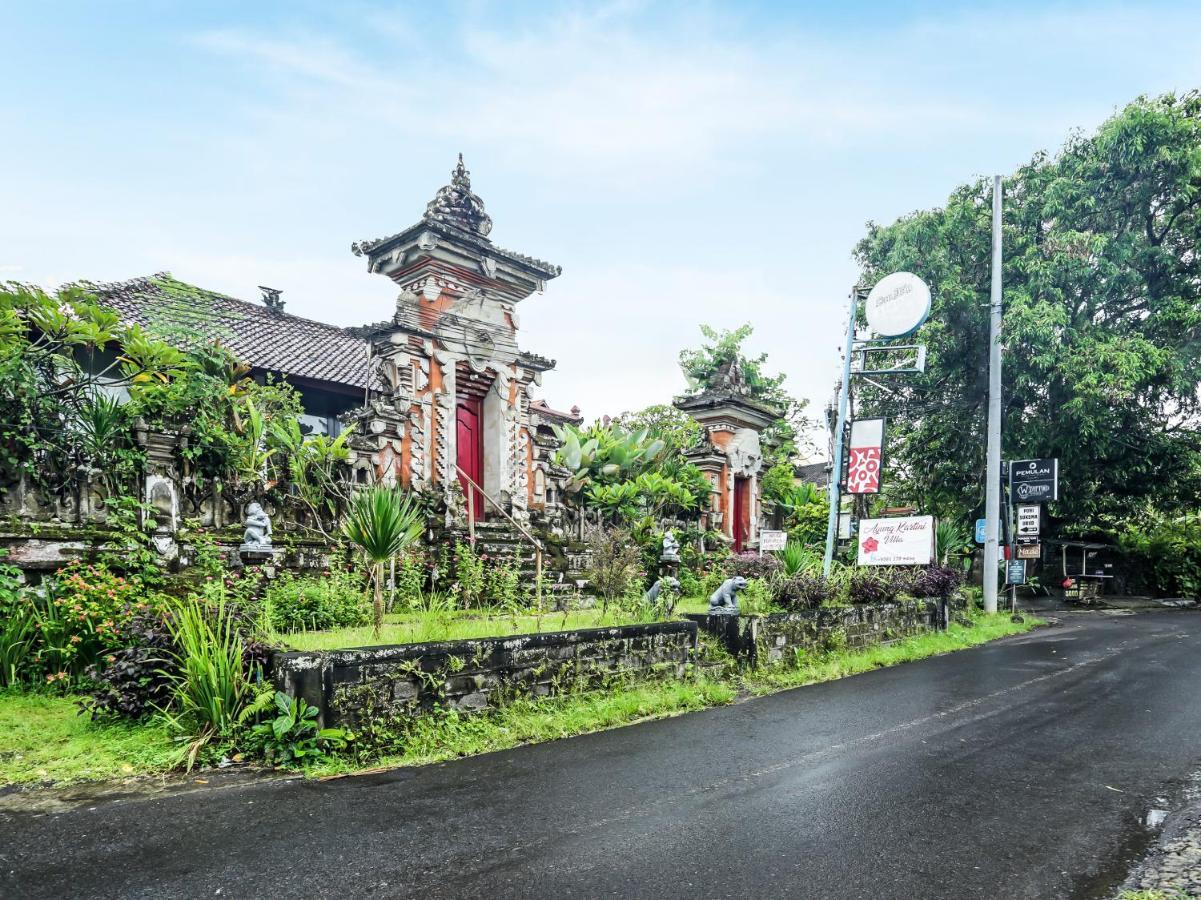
x=1020, y=769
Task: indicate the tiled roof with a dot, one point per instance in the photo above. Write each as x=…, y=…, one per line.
x=540, y=407
x=814, y=473
x=266, y=339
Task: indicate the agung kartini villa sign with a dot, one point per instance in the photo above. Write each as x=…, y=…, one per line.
x=906, y=541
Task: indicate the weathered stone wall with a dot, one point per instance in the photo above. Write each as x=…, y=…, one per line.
x=769, y=640
x=350, y=686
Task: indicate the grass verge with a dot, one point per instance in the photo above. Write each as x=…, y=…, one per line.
x=817, y=667
x=451, y=735
x=44, y=738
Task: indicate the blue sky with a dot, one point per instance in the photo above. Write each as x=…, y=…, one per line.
x=684, y=163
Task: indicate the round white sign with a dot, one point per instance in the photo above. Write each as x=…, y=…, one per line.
x=898, y=305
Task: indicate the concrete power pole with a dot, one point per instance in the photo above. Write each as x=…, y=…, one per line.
x=992, y=476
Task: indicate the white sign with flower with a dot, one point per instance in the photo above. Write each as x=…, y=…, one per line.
x=896, y=542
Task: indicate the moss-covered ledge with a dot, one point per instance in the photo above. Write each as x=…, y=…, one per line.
x=405, y=680
x=772, y=639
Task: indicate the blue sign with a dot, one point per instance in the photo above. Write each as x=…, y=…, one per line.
x=980, y=526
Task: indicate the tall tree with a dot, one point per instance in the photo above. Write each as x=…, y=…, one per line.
x=1102, y=335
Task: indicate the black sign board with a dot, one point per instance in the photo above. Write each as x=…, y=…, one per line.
x=1034, y=480
x=1015, y=571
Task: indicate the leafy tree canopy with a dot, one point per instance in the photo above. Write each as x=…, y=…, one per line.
x=1102, y=336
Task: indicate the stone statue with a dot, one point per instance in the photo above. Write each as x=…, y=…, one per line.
x=671, y=548
x=668, y=583
x=724, y=601
x=258, y=529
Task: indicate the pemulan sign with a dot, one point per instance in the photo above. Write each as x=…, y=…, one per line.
x=1034, y=480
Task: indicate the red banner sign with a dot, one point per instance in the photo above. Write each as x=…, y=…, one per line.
x=865, y=456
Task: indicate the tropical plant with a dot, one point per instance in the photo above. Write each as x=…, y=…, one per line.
x=210, y=685
x=137, y=678
x=938, y=582
x=293, y=735
x=18, y=629
x=797, y=559
x=952, y=541
x=313, y=465
x=334, y=599
x=382, y=522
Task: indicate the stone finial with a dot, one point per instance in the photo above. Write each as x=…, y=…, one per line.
x=456, y=204
x=272, y=298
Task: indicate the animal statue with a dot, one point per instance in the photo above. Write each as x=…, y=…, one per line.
x=258, y=527
x=652, y=596
x=724, y=601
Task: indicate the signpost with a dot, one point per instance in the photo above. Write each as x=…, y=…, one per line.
x=905, y=541
x=1028, y=522
x=772, y=540
x=981, y=524
x=895, y=308
x=1015, y=572
x=1030, y=551
x=1034, y=480
x=898, y=305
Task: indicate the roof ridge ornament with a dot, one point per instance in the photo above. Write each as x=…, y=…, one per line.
x=455, y=204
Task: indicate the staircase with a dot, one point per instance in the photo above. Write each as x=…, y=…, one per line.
x=499, y=541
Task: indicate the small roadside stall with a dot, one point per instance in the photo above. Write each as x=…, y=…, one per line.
x=1086, y=568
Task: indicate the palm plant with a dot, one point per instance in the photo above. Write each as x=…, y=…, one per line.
x=382, y=522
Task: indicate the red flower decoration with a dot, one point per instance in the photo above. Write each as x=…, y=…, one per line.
x=871, y=545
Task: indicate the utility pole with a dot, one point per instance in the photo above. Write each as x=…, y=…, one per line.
x=839, y=429
x=992, y=475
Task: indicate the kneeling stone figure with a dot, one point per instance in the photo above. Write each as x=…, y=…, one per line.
x=724, y=601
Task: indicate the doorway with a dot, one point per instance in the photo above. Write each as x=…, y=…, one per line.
x=469, y=444
x=742, y=513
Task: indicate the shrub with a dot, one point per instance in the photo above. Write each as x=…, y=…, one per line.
x=502, y=584
x=469, y=575
x=939, y=582
x=796, y=559
x=136, y=679
x=80, y=614
x=752, y=565
x=411, y=578
x=210, y=685
x=756, y=598
x=1164, y=556
x=337, y=599
x=806, y=591
x=614, y=559
x=877, y=586
x=18, y=631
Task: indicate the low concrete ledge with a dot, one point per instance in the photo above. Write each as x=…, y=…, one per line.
x=400, y=680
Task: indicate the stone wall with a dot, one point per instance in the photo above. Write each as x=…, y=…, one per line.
x=770, y=640
x=404, y=680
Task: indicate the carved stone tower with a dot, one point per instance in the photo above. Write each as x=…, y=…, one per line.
x=456, y=400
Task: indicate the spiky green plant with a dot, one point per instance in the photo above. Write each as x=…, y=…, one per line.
x=382, y=522
x=16, y=642
x=797, y=559
x=211, y=685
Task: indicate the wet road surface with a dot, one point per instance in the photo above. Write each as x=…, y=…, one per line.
x=1025, y=768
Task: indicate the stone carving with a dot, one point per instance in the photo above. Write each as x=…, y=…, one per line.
x=671, y=549
x=455, y=204
x=724, y=601
x=671, y=585
x=256, y=540
x=745, y=453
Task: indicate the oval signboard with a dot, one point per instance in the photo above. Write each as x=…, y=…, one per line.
x=898, y=305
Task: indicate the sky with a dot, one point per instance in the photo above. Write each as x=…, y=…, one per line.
x=684, y=163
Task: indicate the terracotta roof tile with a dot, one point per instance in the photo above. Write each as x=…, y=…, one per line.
x=266, y=339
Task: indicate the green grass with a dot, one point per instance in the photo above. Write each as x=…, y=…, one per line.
x=817, y=667
x=416, y=627
x=44, y=738
x=449, y=736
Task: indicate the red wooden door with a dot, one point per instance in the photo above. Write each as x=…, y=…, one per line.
x=742, y=513
x=469, y=443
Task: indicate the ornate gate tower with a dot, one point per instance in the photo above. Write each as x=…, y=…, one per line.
x=455, y=404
